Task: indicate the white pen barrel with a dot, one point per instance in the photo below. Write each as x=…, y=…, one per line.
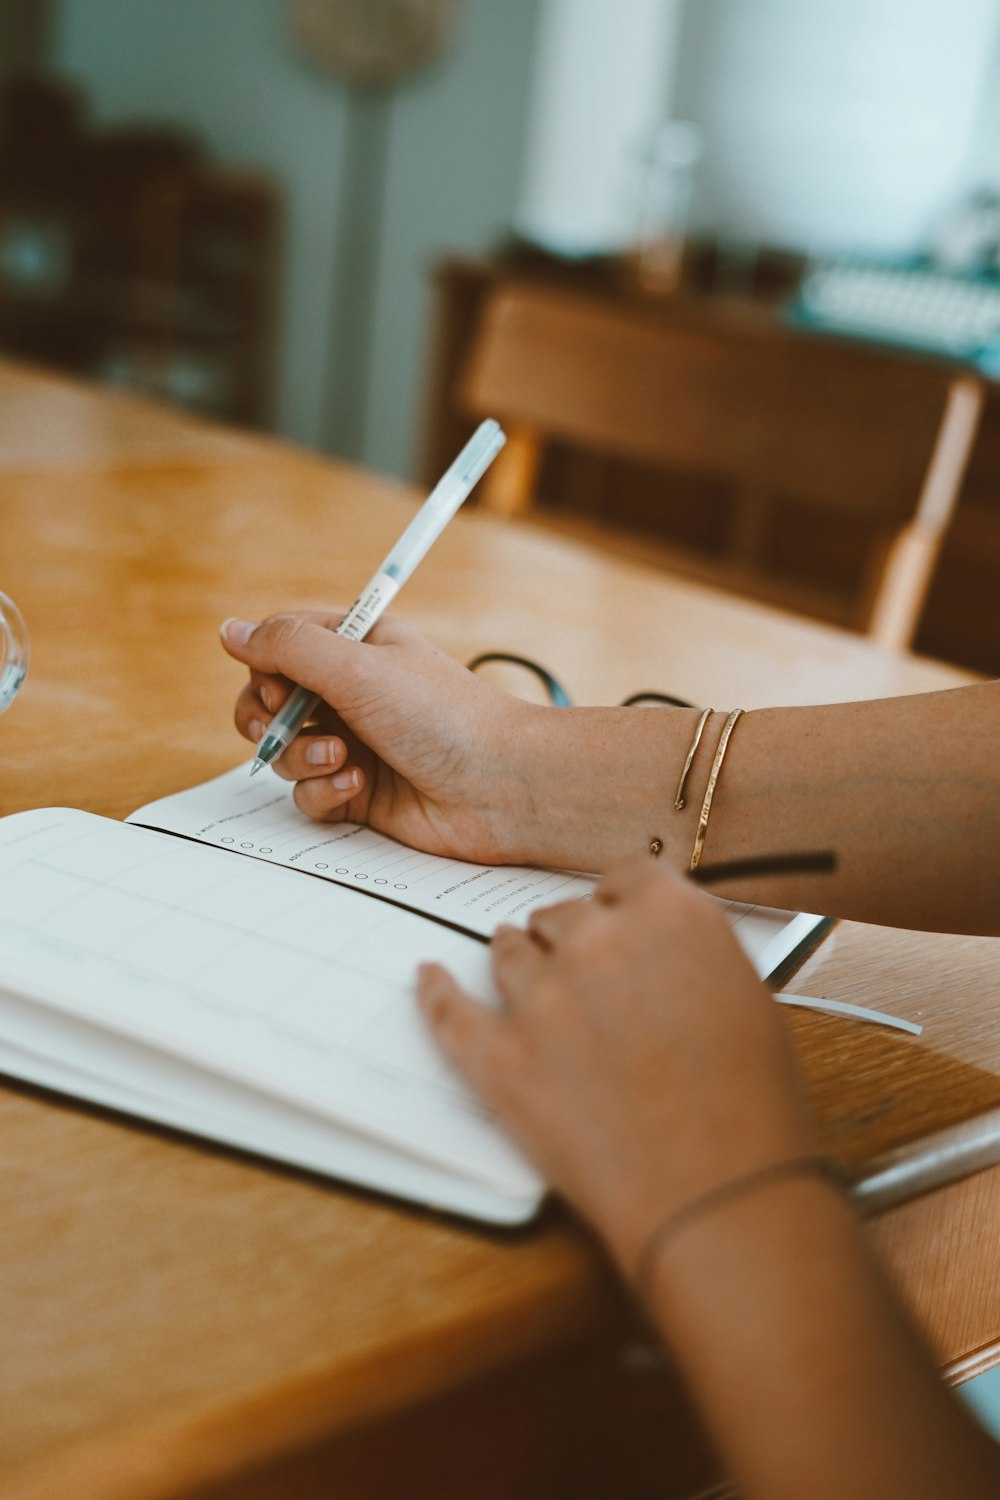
x=417, y=539
x=367, y=607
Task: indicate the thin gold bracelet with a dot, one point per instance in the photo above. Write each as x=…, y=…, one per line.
x=713, y=777
x=656, y=845
x=695, y=742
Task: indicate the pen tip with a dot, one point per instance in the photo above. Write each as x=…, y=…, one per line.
x=256, y=767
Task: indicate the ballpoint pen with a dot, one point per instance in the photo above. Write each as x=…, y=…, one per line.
x=454, y=486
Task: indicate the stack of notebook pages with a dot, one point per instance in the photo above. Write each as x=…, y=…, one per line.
x=222, y=965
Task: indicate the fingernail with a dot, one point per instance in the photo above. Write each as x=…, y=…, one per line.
x=237, y=632
x=267, y=698
x=256, y=728
x=321, y=752
x=345, y=780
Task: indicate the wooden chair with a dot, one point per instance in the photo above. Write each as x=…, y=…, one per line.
x=783, y=416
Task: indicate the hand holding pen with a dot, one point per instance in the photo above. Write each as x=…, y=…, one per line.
x=451, y=490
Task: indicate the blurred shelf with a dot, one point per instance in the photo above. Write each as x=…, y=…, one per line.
x=130, y=256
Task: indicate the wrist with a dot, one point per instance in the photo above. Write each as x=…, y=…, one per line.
x=715, y=1200
x=690, y=1268
x=517, y=801
x=599, y=783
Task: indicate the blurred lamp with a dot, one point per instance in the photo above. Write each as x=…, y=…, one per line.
x=372, y=42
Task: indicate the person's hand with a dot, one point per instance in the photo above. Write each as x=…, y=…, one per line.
x=410, y=742
x=638, y=1061
x=417, y=746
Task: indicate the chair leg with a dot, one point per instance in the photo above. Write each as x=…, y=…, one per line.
x=508, y=488
x=905, y=584
x=913, y=555
x=748, y=528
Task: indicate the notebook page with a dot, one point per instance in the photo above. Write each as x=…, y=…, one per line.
x=259, y=818
x=299, y=988
x=76, y=1058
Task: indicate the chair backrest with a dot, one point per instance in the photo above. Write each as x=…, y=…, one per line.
x=780, y=414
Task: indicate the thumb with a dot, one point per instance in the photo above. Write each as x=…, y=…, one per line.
x=303, y=650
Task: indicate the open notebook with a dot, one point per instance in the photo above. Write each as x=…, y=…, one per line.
x=222, y=964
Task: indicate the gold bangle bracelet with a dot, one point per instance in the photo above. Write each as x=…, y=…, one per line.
x=656, y=844
x=706, y=806
x=695, y=742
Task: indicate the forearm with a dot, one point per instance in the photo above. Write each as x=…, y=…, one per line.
x=906, y=791
x=809, y=1376
x=757, y=1273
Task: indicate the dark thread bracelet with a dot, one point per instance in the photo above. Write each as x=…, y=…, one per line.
x=727, y=1192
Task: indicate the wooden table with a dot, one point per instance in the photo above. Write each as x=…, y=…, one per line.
x=179, y=1320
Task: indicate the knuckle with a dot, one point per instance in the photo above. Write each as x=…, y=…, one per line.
x=283, y=629
x=304, y=796
x=540, y=924
x=313, y=799
x=509, y=942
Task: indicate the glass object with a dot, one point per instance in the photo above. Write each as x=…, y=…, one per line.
x=14, y=651
x=667, y=164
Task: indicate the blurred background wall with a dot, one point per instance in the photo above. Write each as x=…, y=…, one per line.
x=195, y=202
x=375, y=181
x=839, y=124
x=824, y=124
